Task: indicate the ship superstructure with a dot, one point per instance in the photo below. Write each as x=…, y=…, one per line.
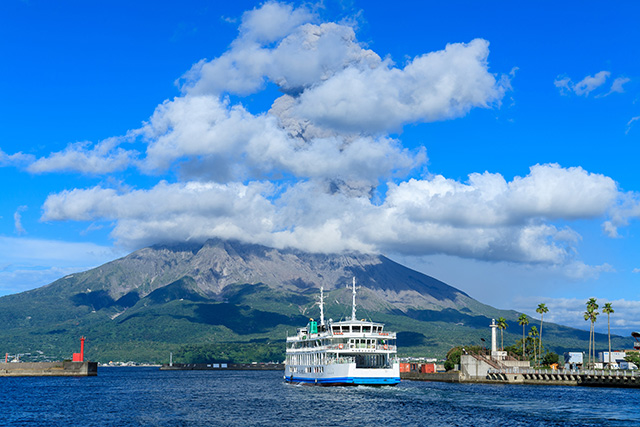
x=347, y=352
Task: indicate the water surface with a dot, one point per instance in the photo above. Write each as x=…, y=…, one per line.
x=150, y=397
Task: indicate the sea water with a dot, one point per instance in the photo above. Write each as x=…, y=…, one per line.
x=150, y=397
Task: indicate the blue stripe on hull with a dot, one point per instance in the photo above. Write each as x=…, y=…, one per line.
x=344, y=381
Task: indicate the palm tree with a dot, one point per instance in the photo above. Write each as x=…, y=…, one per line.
x=533, y=334
x=608, y=309
x=587, y=316
x=591, y=314
x=542, y=309
x=523, y=321
x=502, y=325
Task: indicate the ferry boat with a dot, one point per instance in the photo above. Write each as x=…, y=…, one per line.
x=348, y=352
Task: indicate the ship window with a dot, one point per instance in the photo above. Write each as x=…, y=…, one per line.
x=366, y=328
x=357, y=329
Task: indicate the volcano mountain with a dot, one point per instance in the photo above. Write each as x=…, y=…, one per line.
x=232, y=301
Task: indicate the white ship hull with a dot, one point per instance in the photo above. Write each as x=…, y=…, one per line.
x=346, y=374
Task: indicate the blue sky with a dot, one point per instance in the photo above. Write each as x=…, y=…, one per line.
x=491, y=146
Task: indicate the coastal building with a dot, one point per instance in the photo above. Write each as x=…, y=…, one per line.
x=574, y=359
x=479, y=365
x=616, y=357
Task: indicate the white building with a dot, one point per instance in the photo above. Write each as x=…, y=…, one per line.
x=616, y=356
x=574, y=358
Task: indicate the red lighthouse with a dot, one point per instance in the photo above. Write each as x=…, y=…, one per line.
x=79, y=357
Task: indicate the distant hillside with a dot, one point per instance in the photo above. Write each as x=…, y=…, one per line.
x=238, y=301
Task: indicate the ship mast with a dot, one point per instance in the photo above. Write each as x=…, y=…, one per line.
x=353, y=304
x=321, y=305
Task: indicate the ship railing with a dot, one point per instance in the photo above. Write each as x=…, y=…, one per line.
x=386, y=347
x=390, y=335
x=361, y=347
x=386, y=335
x=342, y=360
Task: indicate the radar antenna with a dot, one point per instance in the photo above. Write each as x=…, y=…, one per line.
x=353, y=304
x=321, y=305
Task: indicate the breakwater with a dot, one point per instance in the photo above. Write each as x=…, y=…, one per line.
x=49, y=369
x=588, y=378
x=223, y=366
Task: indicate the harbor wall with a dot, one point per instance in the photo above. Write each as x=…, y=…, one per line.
x=445, y=377
x=46, y=369
x=223, y=367
x=472, y=367
x=618, y=379
x=589, y=378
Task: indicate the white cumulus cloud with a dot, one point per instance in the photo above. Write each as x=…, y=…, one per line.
x=627, y=208
x=294, y=57
x=84, y=157
x=225, y=143
x=272, y=21
x=486, y=218
x=436, y=86
x=549, y=191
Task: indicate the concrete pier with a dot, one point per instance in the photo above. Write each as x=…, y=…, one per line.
x=481, y=369
x=49, y=369
x=589, y=378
